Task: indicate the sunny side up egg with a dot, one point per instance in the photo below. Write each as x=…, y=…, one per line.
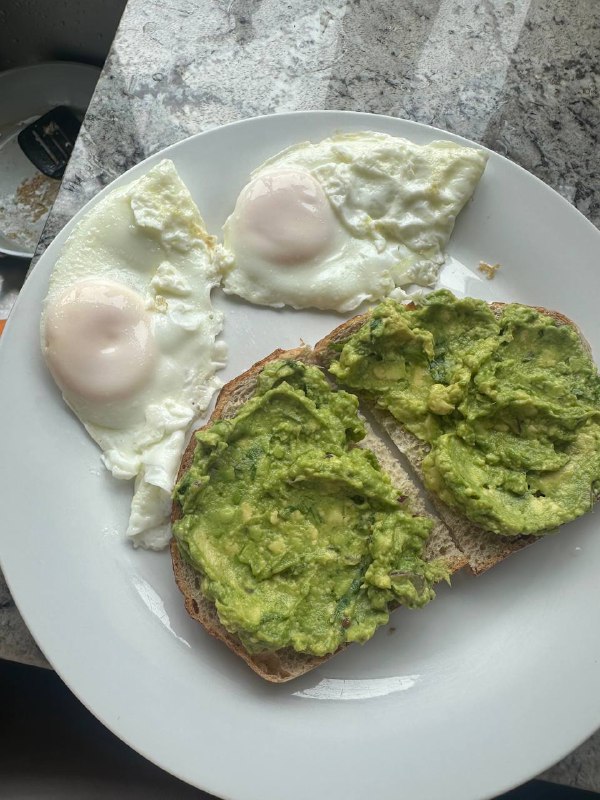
x=129, y=334
x=332, y=224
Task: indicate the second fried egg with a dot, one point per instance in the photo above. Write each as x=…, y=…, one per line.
x=129, y=334
x=332, y=224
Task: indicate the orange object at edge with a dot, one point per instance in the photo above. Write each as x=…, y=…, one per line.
x=2, y=324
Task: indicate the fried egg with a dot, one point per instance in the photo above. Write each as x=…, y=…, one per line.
x=349, y=219
x=129, y=334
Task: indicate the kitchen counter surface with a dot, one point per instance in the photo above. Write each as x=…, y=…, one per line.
x=521, y=77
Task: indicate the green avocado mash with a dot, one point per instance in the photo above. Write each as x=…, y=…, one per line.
x=510, y=406
x=299, y=536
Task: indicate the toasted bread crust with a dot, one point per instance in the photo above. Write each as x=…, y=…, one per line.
x=483, y=549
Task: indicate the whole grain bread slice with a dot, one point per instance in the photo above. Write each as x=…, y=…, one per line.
x=285, y=664
x=482, y=549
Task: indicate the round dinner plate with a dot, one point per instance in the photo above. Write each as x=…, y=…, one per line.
x=491, y=683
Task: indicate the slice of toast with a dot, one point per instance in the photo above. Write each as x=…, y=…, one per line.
x=483, y=549
x=286, y=663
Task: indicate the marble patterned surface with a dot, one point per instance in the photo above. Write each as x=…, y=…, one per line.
x=520, y=76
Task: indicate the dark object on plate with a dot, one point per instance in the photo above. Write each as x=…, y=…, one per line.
x=48, y=142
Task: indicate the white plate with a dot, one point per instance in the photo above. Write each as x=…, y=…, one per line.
x=27, y=93
x=491, y=683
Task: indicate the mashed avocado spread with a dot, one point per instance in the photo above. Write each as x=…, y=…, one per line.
x=300, y=537
x=510, y=406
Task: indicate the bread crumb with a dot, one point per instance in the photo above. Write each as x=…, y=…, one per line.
x=22, y=214
x=489, y=270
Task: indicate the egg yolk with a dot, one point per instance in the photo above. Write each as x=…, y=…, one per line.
x=284, y=217
x=98, y=341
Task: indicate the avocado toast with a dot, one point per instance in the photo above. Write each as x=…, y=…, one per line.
x=496, y=408
x=290, y=540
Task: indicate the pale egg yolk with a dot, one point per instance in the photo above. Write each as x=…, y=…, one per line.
x=284, y=217
x=98, y=341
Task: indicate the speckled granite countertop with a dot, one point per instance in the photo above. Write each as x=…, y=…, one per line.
x=520, y=76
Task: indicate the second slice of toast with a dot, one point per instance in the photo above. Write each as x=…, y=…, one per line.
x=482, y=548
x=285, y=664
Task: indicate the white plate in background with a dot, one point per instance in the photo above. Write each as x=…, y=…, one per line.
x=488, y=685
x=26, y=196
